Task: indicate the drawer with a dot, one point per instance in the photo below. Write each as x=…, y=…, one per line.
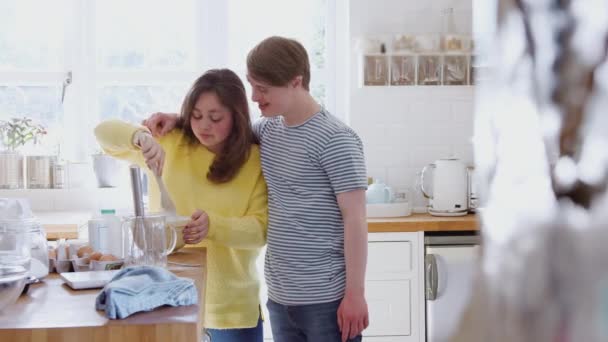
x=389, y=305
x=389, y=260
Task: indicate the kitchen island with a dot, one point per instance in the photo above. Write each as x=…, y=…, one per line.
x=51, y=311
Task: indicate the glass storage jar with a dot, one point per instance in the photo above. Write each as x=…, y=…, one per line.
x=36, y=241
x=14, y=262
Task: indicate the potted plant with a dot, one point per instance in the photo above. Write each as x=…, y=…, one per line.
x=14, y=134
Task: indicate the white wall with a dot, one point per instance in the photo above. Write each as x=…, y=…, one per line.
x=404, y=128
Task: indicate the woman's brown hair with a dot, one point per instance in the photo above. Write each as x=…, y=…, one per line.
x=231, y=92
x=277, y=60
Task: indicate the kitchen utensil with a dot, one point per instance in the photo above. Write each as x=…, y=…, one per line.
x=21, y=235
x=177, y=224
x=174, y=224
x=449, y=196
x=88, y=280
x=148, y=240
x=12, y=283
x=138, y=202
x=165, y=199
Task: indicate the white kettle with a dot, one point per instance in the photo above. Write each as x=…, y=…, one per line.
x=449, y=195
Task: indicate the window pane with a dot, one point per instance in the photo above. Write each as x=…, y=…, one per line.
x=43, y=105
x=135, y=103
x=32, y=34
x=246, y=28
x=139, y=34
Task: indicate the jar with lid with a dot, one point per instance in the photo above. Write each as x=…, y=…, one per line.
x=14, y=262
x=35, y=240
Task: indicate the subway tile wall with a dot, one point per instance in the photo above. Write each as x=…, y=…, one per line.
x=405, y=128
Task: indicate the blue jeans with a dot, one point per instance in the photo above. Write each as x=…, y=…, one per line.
x=306, y=323
x=255, y=334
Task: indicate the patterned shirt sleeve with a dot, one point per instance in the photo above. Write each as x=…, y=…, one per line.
x=258, y=128
x=344, y=162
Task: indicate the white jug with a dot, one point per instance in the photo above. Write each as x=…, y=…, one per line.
x=449, y=187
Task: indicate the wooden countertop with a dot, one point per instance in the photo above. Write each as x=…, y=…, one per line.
x=51, y=311
x=422, y=222
x=66, y=224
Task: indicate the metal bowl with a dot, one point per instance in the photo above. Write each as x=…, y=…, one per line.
x=10, y=289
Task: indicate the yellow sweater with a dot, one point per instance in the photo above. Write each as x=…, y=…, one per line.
x=237, y=212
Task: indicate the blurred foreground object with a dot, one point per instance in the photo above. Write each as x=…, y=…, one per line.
x=541, y=151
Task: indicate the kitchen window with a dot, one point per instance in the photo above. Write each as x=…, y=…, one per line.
x=69, y=64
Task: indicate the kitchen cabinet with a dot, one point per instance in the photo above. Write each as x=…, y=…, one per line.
x=394, y=288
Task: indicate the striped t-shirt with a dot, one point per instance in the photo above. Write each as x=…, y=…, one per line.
x=305, y=166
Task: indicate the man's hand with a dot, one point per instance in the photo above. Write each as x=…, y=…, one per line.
x=161, y=123
x=353, y=316
x=197, y=229
x=152, y=151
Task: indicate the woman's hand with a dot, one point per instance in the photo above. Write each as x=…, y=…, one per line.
x=152, y=151
x=161, y=123
x=197, y=229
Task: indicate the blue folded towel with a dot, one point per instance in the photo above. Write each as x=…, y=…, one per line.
x=144, y=288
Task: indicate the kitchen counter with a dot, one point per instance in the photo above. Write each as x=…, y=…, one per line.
x=422, y=222
x=67, y=224
x=51, y=311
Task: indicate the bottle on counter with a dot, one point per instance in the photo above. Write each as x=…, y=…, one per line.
x=105, y=233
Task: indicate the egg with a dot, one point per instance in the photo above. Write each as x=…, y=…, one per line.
x=108, y=257
x=84, y=251
x=96, y=256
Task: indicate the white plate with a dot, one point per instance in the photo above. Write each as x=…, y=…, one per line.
x=88, y=280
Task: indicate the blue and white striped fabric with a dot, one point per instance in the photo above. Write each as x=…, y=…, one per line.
x=305, y=167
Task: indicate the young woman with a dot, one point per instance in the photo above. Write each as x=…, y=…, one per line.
x=211, y=168
x=315, y=169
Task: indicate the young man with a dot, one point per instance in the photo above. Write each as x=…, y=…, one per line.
x=315, y=171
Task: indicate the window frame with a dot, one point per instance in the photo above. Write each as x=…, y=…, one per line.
x=80, y=59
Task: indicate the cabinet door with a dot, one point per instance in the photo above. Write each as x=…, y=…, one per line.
x=389, y=307
x=389, y=260
x=388, y=339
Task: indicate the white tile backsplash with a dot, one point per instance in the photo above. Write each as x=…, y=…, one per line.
x=405, y=128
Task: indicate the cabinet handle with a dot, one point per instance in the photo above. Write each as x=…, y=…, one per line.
x=430, y=266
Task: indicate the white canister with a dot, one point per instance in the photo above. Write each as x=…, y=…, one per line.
x=39, y=171
x=11, y=170
x=105, y=234
x=59, y=175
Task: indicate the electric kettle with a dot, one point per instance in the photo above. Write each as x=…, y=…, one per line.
x=449, y=196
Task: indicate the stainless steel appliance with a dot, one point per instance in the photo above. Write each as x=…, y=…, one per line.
x=449, y=265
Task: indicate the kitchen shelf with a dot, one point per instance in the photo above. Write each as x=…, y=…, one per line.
x=403, y=69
